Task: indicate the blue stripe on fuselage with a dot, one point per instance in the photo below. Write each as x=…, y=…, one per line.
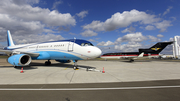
x=54, y=55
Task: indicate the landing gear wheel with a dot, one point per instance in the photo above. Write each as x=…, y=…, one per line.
x=131, y=60
x=75, y=64
x=15, y=66
x=47, y=63
x=75, y=67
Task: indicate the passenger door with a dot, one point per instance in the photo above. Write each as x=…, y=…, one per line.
x=71, y=45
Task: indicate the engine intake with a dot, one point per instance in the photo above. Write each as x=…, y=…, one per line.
x=20, y=60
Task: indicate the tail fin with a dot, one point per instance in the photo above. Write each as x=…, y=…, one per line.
x=157, y=48
x=9, y=39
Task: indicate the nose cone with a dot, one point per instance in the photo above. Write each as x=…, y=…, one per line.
x=97, y=52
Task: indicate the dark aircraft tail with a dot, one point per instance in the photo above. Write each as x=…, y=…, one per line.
x=156, y=49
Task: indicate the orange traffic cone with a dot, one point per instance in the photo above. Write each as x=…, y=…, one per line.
x=22, y=70
x=103, y=70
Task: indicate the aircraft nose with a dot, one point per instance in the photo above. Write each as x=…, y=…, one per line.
x=97, y=52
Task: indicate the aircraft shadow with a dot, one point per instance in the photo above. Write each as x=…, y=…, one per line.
x=24, y=67
x=136, y=61
x=59, y=65
x=6, y=66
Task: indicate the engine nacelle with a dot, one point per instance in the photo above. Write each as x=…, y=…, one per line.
x=19, y=60
x=64, y=61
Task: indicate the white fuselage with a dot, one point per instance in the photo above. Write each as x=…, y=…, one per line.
x=59, y=50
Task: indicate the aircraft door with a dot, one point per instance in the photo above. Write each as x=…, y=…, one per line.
x=70, y=46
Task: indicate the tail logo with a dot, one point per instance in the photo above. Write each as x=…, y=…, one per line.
x=156, y=49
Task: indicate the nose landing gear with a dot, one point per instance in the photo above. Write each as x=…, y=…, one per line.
x=75, y=65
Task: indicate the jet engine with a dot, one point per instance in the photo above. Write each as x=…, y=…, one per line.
x=19, y=60
x=64, y=61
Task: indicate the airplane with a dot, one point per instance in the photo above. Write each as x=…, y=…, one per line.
x=62, y=51
x=143, y=53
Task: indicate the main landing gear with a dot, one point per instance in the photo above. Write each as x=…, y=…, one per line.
x=15, y=66
x=131, y=60
x=75, y=64
x=47, y=63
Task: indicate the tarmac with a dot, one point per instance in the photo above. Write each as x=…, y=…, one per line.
x=142, y=80
x=115, y=71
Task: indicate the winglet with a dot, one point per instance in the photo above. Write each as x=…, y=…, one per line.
x=141, y=55
x=9, y=39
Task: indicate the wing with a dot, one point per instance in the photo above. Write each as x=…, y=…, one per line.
x=31, y=54
x=8, y=52
x=134, y=58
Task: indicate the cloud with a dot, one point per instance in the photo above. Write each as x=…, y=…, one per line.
x=32, y=38
x=160, y=35
x=95, y=25
x=72, y=33
x=94, y=40
x=88, y=33
x=149, y=27
x=56, y=3
x=130, y=29
x=163, y=25
x=128, y=43
x=11, y=23
x=64, y=28
x=28, y=13
x=173, y=18
x=133, y=37
x=120, y=20
x=22, y=2
x=22, y=18
x=82, y=14
x=129, y=47
x=108, y=43
x=153, y=39
x=167, y=10
x=127, y=18
x=137, y=37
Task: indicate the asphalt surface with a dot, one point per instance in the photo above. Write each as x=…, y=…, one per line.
x=165, y=90
x=122, y=81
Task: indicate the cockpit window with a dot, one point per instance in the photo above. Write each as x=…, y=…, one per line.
x=82, y=44
x=86, y=44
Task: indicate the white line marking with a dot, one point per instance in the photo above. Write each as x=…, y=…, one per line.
x=76, y=89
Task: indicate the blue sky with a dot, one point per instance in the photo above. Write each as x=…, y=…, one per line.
x=112, y=25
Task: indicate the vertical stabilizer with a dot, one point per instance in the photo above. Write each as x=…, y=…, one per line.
x=156, y=49
x=9, y=39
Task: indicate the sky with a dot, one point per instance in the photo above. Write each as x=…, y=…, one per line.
x=111, y=25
